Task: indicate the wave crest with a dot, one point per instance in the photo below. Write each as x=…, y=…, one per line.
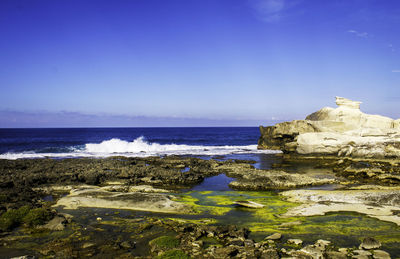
x=139, y=145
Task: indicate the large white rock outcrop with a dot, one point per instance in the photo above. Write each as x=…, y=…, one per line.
x=343, y=131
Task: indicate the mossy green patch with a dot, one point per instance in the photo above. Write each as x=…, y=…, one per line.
x=38, y=216
x=174, y=254
x=200, y=206
x=24, y=215
x=221, y=203
x=205, y=192
x=13, y=218
x=164, y=242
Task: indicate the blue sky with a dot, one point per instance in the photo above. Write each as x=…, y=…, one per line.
x=194, y=62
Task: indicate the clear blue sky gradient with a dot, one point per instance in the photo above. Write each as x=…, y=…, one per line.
x=244, y=62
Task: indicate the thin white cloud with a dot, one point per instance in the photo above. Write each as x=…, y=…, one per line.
x=391, y=47
x=269, y=10
x=360, y=34
x=396, y=71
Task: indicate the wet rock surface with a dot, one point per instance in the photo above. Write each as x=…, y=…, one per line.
x=275, y=180
x=90, y=196
x=381, y=204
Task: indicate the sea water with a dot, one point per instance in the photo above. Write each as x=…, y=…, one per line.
x=131, y=142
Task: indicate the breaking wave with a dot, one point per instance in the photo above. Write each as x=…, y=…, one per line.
x=139, y=148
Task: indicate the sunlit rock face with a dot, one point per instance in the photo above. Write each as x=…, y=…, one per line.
x=341, y=131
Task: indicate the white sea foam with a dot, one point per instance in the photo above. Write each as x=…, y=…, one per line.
x=141, y=148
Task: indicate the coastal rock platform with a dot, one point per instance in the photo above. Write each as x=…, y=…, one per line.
x=344, y=131
x=382, y=204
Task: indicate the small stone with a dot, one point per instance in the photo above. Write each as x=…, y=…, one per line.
x=275, y=236
x=380, y=254
x=270, y=254
x=127, y=245
x=197, y=244
x=335, y=255
x=248, y=243
x=314, y=251
x=301, y=254
x=87, y=245
x=362, y=252
x=250, y=204
x=296, y=242
x=57, y=223
x=226, y=252
x=99, y=219
x=370, y=243
x=344, y=250
x=236, y=242
x=290, y=224
x=322, y=243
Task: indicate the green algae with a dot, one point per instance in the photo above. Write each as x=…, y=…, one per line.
x=201, y=206
x=205, y=192
x=344, y=228
x=24, y=215
x=37, y=216
x=13, y=218
x=173, y=254
x=164, y=242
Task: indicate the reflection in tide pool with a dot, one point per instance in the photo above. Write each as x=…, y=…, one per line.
x=214, y=183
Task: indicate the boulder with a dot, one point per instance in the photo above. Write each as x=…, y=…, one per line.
x=370, y=243
x=297, y=242
x=379, y=254
x=57, y=224
x=275, y=236
x=344, y=131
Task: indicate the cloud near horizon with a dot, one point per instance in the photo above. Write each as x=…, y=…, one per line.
x=42, y=119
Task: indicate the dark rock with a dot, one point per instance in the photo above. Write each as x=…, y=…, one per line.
x=335, y=255
x=379, y=254
x=57, y=223
x=370, y=243
x=226, y=252
x=248, y=243
x=127, y=245
x=236, y=242
x=275, y=236
x=269, y=254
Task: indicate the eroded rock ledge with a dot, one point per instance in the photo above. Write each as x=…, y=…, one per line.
x=343, y=131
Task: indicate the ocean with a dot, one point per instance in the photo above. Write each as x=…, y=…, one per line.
x=239, y=142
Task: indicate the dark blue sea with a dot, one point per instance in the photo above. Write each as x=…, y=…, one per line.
x=132, y=142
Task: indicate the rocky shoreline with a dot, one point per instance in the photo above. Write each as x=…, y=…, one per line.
x=46, y=198
x=344, y=131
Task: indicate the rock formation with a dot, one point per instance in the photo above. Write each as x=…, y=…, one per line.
x=344, y=131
